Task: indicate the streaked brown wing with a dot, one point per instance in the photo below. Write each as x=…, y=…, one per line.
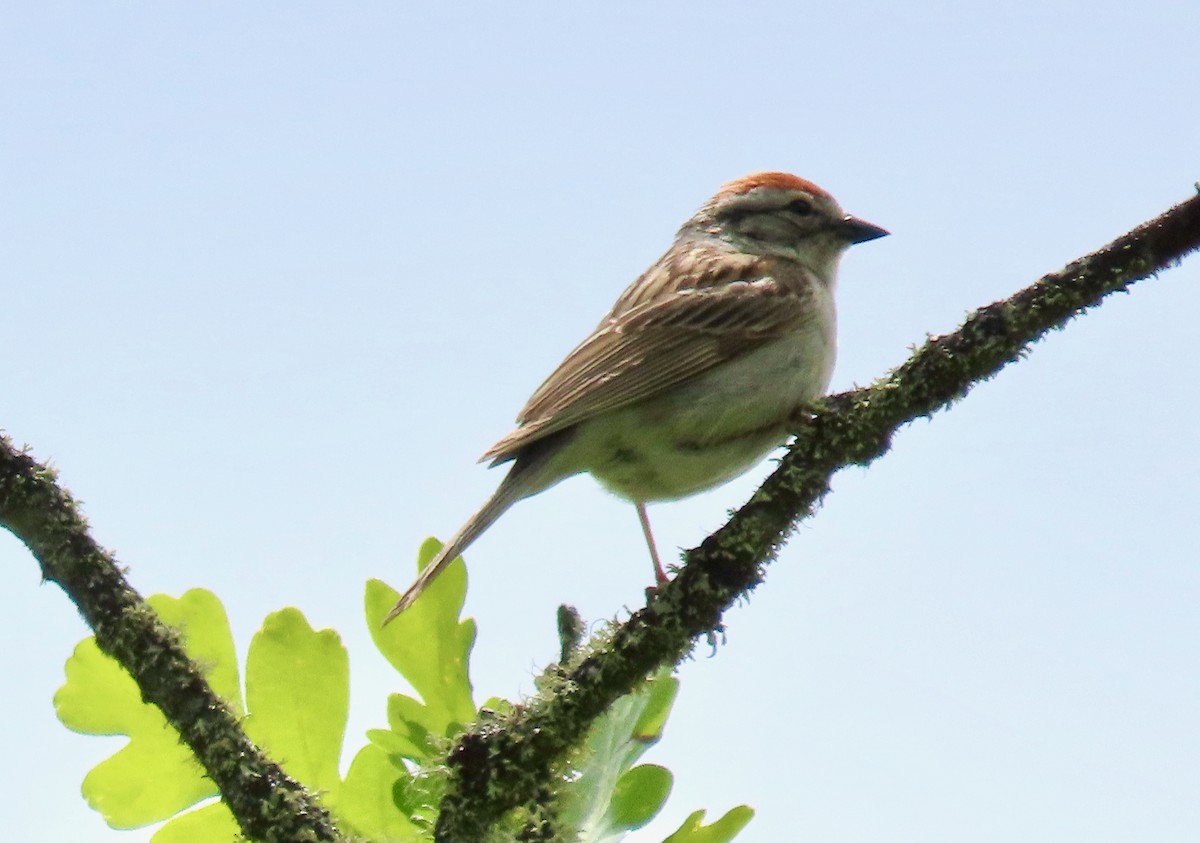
x=652, y=347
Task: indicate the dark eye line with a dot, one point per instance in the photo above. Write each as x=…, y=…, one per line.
x=799, y=207
x=737, y=214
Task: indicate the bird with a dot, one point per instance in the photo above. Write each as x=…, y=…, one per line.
x=692, y=376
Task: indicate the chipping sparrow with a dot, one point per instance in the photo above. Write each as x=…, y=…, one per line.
x=691, y=378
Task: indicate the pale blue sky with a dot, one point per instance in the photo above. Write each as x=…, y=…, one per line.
x=275, y=274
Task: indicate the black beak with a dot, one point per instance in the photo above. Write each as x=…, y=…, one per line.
x=854, y=230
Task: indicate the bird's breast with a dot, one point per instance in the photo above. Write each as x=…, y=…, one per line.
x=714, y=426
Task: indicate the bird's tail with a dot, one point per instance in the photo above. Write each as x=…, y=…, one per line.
x=528, y=476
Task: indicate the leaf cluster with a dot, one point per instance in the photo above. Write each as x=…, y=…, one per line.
x=295, y=704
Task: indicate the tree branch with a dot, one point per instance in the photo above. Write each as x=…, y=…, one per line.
x=496, y=765
x=267, y=804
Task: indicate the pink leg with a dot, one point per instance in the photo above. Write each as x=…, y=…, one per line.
x=658, y=570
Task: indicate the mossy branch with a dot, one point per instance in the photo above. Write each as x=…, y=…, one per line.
x=499, y=764
x=267, y=804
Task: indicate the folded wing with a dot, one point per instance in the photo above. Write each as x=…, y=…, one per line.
x=654, y=346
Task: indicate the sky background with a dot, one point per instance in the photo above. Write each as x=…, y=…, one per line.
x=275, y=274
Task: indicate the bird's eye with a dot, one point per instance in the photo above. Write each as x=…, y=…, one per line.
x=799, y=207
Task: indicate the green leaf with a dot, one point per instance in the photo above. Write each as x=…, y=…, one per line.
x=606, y=799
x=722, y=831
x=413, y=726
x=640, y=795
x=153, y=777
x=428, y=644
x=298, y=691
x=657, y=709
x=210, y=823
x=365, y=805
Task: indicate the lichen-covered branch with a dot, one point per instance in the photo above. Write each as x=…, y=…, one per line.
x=497, y=765
x=268, y=805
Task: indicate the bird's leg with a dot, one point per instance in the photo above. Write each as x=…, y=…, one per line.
x=658, y=570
